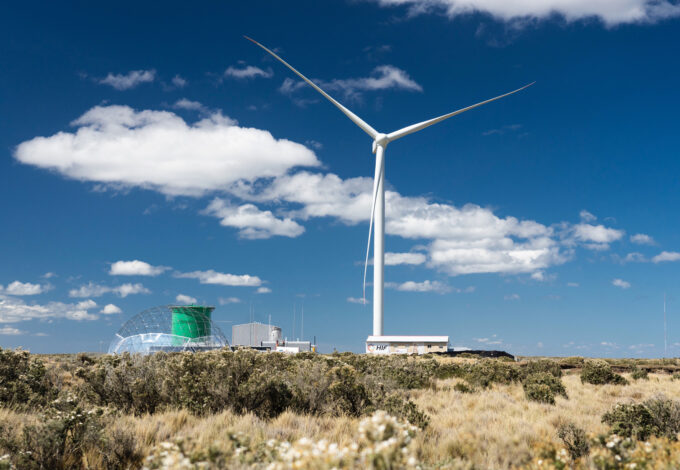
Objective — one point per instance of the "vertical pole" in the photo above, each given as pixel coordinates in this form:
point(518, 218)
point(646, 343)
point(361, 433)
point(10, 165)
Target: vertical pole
point(379, 249)
point(665, 330)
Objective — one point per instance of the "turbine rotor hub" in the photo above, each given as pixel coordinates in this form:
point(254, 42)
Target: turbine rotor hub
point(380, 140)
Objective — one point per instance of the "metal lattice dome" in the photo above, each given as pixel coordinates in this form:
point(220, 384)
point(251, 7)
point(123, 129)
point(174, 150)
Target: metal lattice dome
point(169, 328)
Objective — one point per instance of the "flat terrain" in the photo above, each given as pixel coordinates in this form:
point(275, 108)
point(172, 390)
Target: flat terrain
point(245, 410)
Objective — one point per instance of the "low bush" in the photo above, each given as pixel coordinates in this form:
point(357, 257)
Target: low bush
point(543, 387)
point(23, 380)
point(599, 372)
point(489, 371)
point(631, 420)
point(675, 376)
point(462, 387)
point(543, 365)
point(639, 374)
point(666, 415)
point(574, 439)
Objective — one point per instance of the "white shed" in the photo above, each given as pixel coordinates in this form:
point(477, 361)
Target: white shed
point(406, 344)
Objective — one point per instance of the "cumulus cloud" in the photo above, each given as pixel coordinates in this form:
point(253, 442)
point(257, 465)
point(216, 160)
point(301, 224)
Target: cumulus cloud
point(586, 216)
point(189, 105)
point(666, 256)
point(596, 237)
point(394, 259)
point(247, 71)
point(179, 81)
point(642, 239)
point(383, 77)
point(229, 300)
point(119, 146)
point(10, 331)
point(24, 288)
point(129, 80)
point(358, 300)
point(263, 290)
point(621, 283)
point(185, 299)
point(135, 268)
point(610, 12)
point(111, 309)
point(425, 286)
point(223, 279)
point(252, 222)
point(97, 290)
point(13, 310)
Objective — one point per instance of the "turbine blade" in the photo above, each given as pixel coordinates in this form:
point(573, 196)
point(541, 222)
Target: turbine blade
point(379, 162)
point(422, 125)
point(353, 117)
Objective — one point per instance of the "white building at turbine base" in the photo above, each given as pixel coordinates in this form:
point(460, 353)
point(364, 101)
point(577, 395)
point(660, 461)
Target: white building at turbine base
point(407, 344)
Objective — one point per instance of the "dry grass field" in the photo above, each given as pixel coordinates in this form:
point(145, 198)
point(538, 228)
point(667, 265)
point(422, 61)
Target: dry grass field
point(215, 410)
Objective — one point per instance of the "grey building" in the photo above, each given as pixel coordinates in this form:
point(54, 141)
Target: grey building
point(261, 335)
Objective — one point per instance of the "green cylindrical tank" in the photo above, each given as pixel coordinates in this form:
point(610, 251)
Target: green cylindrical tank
point(191, 321)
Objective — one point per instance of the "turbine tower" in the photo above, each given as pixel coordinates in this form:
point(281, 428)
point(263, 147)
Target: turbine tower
point(380, 142)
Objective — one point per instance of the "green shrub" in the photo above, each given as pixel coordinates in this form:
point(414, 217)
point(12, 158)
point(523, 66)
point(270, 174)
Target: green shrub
point(462, 387)
point(574, 439)
point(23, 380)
point(406, 410)
point(666, 415)
point(675, 376)
point(490, 371)
point(543, 365)
point(539, 392)
point(638, 374)
point(631, 420)
point(543, 387)
point(599, 372)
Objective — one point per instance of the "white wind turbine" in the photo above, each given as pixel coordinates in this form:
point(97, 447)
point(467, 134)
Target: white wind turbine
point(380, 142)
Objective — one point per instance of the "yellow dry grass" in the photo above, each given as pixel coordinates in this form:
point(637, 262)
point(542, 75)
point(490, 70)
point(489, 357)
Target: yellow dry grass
point(496, 428)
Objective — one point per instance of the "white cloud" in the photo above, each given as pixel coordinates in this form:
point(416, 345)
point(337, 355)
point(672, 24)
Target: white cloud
point(111, 309)
point(596, 233)
point(9, 331)
point(394, 259)
point(13, 310)
point(179, 82)
point(586, 216)
point(511, 297)
point(263, 290)
point(135, 268)
point(189, 105)
point(223, 279)
point(129, 80)
point(642, 239)
point(666, 256)
point(358, 300)
point(49, 275)
point(572, 284)
point(229, 300)
point(185, 299)
point(608, 344)
point(383, 77)
point(118, 146)
point(252, 222)
point(96, 290)
point(24, 288)
point(621, 283)
point(542, 276)
point(247, 71)
point(610, 12)
point(635, 258)
point(425, 286)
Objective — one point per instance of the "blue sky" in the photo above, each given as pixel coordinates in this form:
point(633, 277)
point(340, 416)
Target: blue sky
point(154, 153)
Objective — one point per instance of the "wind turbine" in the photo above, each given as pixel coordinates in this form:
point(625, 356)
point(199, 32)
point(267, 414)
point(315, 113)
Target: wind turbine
point(380, 142)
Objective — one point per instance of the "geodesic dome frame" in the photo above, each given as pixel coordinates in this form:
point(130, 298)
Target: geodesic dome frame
point(169, 328)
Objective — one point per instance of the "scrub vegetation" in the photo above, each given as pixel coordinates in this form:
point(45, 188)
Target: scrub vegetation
point(243, 409)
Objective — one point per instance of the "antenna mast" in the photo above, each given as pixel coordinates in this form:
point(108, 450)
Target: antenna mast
point(665, 328)
point(302, 326)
